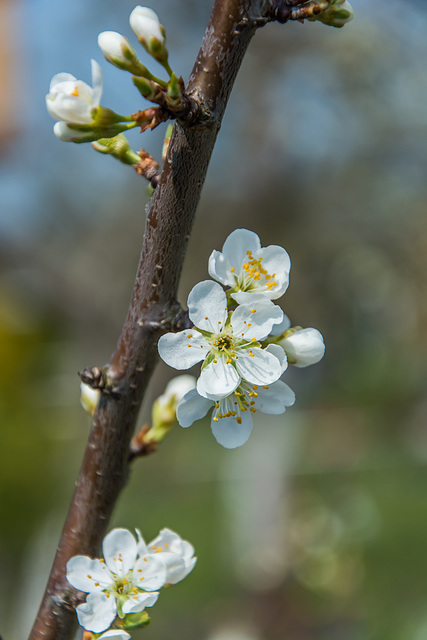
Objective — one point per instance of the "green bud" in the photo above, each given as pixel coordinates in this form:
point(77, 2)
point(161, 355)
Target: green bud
point(174, 99)
point(148, 89)
point(87, 132)
point(136, 620)
point(336, 14)
point(118, 147)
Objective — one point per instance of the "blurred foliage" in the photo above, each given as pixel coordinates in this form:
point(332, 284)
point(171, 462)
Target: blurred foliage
point(315, 529)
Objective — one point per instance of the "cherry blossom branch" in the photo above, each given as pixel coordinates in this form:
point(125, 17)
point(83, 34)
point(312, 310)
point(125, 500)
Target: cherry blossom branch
point(153, 309)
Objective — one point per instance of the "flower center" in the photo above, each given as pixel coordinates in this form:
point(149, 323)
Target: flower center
point(253, 274)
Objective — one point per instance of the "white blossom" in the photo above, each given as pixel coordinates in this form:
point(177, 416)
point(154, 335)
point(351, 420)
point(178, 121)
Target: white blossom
point(145, 24)
point(122, 582)
point(248, 269)
point(232, 416)
point(73, 101)
point(176, 553)
point(229, 344)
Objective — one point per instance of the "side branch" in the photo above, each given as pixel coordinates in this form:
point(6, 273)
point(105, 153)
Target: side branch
point(153, 309)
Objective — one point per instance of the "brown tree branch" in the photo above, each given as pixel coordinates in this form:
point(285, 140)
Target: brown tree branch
point(153, 309)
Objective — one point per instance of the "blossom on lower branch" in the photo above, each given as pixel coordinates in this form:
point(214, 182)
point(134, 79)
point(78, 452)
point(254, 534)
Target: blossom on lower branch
point(125, 581)
point(231, 420)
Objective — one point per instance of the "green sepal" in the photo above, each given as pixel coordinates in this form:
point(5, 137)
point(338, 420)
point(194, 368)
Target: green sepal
point(136, 620)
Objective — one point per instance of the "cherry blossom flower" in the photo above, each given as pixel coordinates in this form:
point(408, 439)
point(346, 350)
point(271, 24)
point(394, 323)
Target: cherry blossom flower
point(232, 416)
point(73, 101)
point(228, 344)
point(121, 583)
point(248, 269)
point(176, 553)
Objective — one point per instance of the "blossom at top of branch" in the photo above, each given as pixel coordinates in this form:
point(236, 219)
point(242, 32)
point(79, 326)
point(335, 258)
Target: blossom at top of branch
point(248, 269)
point(121, 583)
point(73, 101)
point(232, 416)
point(228, 343)
point(176, 553)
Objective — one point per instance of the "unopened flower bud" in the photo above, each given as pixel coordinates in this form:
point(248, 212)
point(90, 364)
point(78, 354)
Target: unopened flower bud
point(148, 89)
point(150, 33)
point(164, 408)
point(89, 398)
point(303, 347)
point(118, 147)
point(118, 51)
point(174, 95)
point(337, 14)
point(87, 133)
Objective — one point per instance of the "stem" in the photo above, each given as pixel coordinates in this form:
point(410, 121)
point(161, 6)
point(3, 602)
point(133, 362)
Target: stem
point(153, 309)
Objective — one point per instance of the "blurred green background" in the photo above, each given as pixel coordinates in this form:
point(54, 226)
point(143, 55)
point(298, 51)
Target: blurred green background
point(316, 529)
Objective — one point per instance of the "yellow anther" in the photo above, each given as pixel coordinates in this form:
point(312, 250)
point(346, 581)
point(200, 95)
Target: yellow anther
point(252, 402)
point(253, 339)
point(239, 420)
point(214, 361)
point(96, 584)
point(88, 576)
point(188, 345)
point(217, 405)
point(255, 387)
point(253, 310)
point(252, 355)
point(255, 394)
point(75, 92)
point(190, 335)
point(206, 318)
point(232, 269)
point(265, 387)
point(253, 409)
point(228, 361)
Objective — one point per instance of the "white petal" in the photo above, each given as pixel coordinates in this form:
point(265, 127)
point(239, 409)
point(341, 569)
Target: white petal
point(280, 328)
point(260, 368)
point(168, 540)
point(141, 547)
point(175, 567)
point(237, 244)
point(218, 379)
point(207, 306)
point(98, 612)
point(255, 320)
point(149, 573)
point(280, 354)
point(220, 268)
point(275, 398)
point(114, 634)
point(96, 83)
point(87, 575)
point(174, 348)
point(119, 548)
point(229, 433)
point(304, 347)
point(59, 78)
point(275, 260)
point(192, 407)
point(139, 601)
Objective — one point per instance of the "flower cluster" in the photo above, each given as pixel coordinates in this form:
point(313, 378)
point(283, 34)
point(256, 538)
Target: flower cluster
point(77, 106)
point(127, 579)
point(242, 338)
